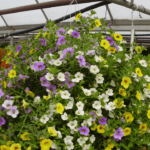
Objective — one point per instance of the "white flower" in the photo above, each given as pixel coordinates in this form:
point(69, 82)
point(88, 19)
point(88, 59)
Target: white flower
point(133, 74)
point(40, 59)
point(65, 94)
point(7, 104)
point(71, 98)
point(96, 105)
point(99, 75)
point(44, 119)
point(60, 52)
point(57, 62)
point(59, 134)
point(110, 106)
point(86, 147)
point(120, 48)
point(92, 138)
point(111, 114)
point(97, 59)
point(127, 57)
point(35, 118)
point(93, 90)
point(119, 60)
point(49, 76)
point(69, 31)
point(79, 76)
point(84, 123)
point(72, 124)
point(79, 112)
point(143, 63)
point(51, 62)
point(112, 83)
point(49, 113)
point(80, 105)
point(95, 84)
point(64, 116)
point(87, 92)
point(68, 139)
point(109, 92)
point(69, 105)
point(94, 69)
point(139, 121)
point(99, 80)
point(99, 112)
point(69, 146)
point(89, 121)
point(75, 46)
point(104, 97)
point(82, 140)
point(147, 78)
point(80, 53)
point(64, 61)
point(61, 76)
point(123, 41)
point(37, 99)
point(54, 146)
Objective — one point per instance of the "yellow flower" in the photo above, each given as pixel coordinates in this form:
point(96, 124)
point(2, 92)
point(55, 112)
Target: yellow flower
point(9, 53)
point(148, 86)
point(30, 93)
point(32, 51)
point(122, 92)
point(24, 103)
point(15, 147)
point(51, 131)
point(110, 144)
point(12, 73)
point(118, 105)
point(29, 148)
point(138, 71)
point(117, 37)
point(143, 128)
point(46, 144)
point(78, 16)
point(125, 82)
point(127, 131)
point(24, 136)
point(100, 128)
point(102, 37)
point(60, 108)
point(4, 147)
point(9, 143)
point(138, 112)
point(16, 54)
point(105, 44)
point(111, 49)
point(148, 114)
point(128, 116)
point(46, 97)
point(38, 35)
point(138, 96)
point(138, 49)
point(92, 28)
point(105, 61)
point(107, 148)
point(95, 126)
point(4, 83)
point(97, 23)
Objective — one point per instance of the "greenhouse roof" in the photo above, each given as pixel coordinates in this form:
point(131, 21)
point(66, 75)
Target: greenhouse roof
point(119, 16)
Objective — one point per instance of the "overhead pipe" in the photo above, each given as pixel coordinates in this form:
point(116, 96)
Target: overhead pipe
point(57, 20)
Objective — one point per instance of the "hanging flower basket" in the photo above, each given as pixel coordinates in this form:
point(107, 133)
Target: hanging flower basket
point(73, 89)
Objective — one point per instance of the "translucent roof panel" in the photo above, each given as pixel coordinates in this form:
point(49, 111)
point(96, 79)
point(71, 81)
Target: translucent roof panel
point(2, 23)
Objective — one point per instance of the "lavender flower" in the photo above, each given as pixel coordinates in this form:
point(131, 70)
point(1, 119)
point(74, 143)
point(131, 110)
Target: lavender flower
point(94, 115)
point(67, 75)
point(118, 134)
point(13, 111)
point(7, 104)
point(52, 88)
point(103, 121)
point(39, 66)
point(91, 52)
point(70, 84)
point(122, 119)
point(84, 130)
point(18, 48)
point(28, 110)
point(81, 60)
point(111, 40)
point(75, 34)
point(65, 51)
point(62, 30)
point(42, 41)
point(1, 93)
point(109, 25)
point(23, 77)
point(2, 121)
point(116, 46)
point(61, 41)
point(44, 82)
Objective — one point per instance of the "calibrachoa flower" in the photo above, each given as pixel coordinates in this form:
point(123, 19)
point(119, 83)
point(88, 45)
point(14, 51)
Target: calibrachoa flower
point(118, 134)
point(13, 111)
point(18, 48)
point(84, 130)
point(75, 34)
point(61, 41)
point(2, 121)
point(111, 40)
point(81, 60)
point(39, 66)
point(103, 121)
point(78, 16)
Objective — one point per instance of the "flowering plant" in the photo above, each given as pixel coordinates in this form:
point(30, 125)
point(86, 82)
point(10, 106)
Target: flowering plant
point(70, 88)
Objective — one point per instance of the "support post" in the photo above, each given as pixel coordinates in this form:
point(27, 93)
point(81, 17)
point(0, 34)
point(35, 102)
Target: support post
point(11, 40)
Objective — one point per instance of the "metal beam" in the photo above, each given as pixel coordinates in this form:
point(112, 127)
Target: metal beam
point(4, 21)
point(110, 14)
point(42, 11)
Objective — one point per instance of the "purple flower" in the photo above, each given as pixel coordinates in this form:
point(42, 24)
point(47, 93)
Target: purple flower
point(13, 111)
point(94, 115)
point(39, 66)
point(103, 121)
point(23, 77)
point(28, 110)
point(48, 51)
point(67, 75)
point(84, 130)
point(116, 46)
point(44, 82)
point(61, 41)
point(118, 134)
point(122, 119)
point(75, 34)
point(62, 30)
point(18, 48)
point(91, 52)
point(51, 88)
point(1, 93)
point(2, 121)
point(111, 40)
point(87, 65)
point(109, 25)
point(67, 50)
point(42, 41)
point(27, 89)
point(70, 84)
point(81, 60)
